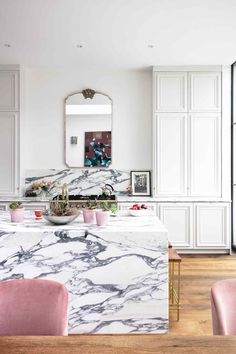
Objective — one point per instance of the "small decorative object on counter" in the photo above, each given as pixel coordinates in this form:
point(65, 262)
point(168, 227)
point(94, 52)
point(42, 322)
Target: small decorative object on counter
point(38, 214)
point(16, 212)
point(44, 189)
point(129, 190)
point(89, 212)
point(103, 214)
point(140, 183)
point(107, 191)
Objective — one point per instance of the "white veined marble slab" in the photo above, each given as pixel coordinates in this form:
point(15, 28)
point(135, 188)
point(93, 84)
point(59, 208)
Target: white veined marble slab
point(117, 276)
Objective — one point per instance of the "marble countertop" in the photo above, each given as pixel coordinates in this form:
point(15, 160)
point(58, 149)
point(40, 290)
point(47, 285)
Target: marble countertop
point(116, 223)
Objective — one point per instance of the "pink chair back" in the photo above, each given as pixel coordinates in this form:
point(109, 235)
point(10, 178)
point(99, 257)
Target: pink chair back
point(223, 305)
point(33, 307)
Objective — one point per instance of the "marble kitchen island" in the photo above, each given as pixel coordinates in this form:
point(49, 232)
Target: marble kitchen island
point(117, 275)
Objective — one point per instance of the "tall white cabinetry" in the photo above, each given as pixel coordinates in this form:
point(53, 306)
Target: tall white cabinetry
point(187, 122)
point(9, 130)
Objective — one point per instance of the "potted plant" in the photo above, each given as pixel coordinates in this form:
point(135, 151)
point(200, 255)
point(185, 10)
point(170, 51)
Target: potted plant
point(103, 214)
point(16, 212)
point(60, 211)
point(89, 212)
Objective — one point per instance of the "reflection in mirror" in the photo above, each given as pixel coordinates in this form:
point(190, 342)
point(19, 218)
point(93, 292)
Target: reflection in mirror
point(88, 129)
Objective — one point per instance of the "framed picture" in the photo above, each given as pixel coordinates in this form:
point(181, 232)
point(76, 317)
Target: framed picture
point(141, 182)
point(97, 149)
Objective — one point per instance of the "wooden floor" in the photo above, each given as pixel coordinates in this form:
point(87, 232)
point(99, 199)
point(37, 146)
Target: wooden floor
point(198, 273)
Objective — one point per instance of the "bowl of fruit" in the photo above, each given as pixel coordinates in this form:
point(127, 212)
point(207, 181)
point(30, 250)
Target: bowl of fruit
point(139, 210)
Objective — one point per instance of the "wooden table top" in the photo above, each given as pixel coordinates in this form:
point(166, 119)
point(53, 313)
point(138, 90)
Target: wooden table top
point(117, 344)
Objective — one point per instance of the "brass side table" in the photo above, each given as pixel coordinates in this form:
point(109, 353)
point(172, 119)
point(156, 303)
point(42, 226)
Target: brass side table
point(174, 280)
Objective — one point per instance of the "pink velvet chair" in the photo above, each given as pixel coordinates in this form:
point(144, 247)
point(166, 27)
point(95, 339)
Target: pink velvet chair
point(33, 307)
point(223, 305)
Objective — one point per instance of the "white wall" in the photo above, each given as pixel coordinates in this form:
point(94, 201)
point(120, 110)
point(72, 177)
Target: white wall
point(42, 125)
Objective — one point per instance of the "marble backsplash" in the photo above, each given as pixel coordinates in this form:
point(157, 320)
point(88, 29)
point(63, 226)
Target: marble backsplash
point(82, 181)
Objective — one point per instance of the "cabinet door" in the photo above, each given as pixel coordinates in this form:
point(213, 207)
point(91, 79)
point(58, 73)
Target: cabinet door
point(8, 153)
point(171, 154)
point(212, 225)
point(170, 91)
point(205, 91)
point(205, 154)
point(178, 219)
point(124, 207)
point(9, 100)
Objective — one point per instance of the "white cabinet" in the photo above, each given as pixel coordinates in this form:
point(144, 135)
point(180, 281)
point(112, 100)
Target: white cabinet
point(9, 86)
point(178, 219)
point(171, 154)
point(204, 92)
point(187, 133)
point(171, 91)
point(212, 225)
point(9, 130)
point(197, 227)
point(8, 153)
point(123, 207)
point(205, 154)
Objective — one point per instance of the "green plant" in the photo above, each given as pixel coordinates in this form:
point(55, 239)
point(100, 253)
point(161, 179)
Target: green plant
point(108, 206)
point(16, 205)
point(61, 208)
point(91, 204)
point(104, 206)
point(114, 208)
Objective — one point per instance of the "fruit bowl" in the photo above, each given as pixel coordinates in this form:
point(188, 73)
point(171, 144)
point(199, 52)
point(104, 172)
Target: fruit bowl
point(141, 212)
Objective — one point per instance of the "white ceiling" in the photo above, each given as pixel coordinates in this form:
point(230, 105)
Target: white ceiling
point(116, 33)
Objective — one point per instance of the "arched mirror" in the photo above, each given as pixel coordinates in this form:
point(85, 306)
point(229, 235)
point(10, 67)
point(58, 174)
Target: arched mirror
point(88, 129)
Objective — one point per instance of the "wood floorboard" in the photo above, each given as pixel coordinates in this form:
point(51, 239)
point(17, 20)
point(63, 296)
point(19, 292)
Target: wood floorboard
point(198, 274)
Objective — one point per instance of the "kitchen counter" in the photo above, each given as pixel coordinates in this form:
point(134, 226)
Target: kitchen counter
point(129, 199)
point(116, 275)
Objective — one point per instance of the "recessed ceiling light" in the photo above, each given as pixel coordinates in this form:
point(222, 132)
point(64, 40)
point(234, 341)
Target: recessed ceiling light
point(151, 46)
point(7, 45)
point(79, 46)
